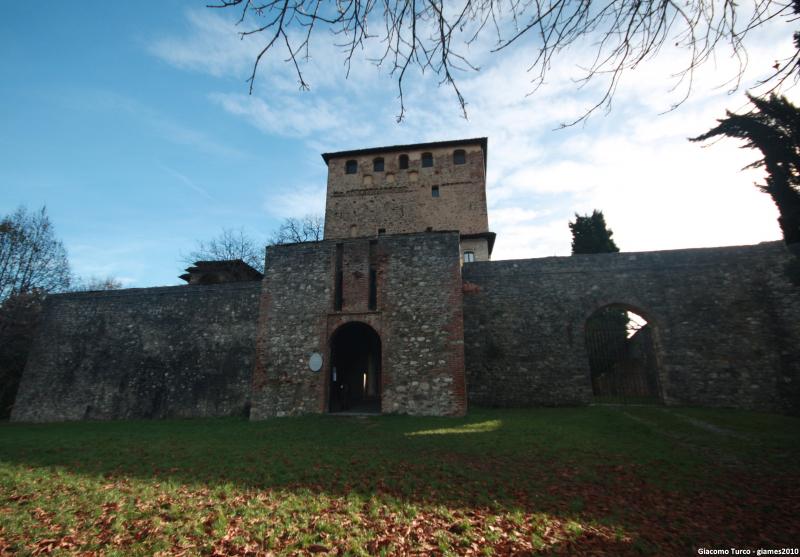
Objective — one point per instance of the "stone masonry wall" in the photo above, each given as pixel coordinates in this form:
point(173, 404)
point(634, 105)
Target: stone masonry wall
point(183, 351)
point(418, 318)
point(400, 200)
point(725, 324)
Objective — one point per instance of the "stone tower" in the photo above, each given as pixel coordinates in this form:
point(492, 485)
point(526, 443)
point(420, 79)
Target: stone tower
point(378, 303)
point(424, 187)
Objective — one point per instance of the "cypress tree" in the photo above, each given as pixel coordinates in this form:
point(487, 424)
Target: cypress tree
point(591, 235)
point(772, 127)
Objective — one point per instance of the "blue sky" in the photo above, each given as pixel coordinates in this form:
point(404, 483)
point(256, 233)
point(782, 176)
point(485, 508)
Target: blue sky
point(132, 123)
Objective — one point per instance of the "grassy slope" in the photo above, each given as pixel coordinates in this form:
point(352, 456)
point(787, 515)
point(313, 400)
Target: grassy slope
point(601, 480)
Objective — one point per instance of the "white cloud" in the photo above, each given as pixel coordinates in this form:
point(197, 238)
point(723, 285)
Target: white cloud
point(287, 115)
point(213, 46)
point(656, 189)
point(296, 201)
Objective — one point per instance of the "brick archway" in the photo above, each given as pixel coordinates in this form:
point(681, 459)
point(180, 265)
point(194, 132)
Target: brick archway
point(355, 371)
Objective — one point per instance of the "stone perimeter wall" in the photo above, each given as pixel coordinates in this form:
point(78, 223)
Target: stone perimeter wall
point(726, 325)
point(724, 319)
point(182, 351)
point(418, 318)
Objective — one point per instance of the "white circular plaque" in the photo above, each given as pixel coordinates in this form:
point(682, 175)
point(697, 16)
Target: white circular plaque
point(315, 362)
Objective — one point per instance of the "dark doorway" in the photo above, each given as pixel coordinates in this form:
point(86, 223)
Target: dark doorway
point(622, 356)
point(355, 369)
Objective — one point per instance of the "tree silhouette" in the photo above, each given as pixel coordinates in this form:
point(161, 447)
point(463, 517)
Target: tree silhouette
point(94, 284)
point(292, 230)
point(32, 263)
point(591, 235)
point(772, 127)
point(235, 244)
point(31, 258)
point(230, 244)
point(435, 36)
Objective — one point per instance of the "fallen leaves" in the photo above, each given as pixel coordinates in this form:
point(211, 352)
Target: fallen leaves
point(301, 492)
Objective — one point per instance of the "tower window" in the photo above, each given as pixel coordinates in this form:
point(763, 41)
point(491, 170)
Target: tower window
point(435, 191)
point(381, 231)
point(351, 167)
point(403, 162)
point(377, 165)
point(427, 159)
point(469, 256)
point(459, 156)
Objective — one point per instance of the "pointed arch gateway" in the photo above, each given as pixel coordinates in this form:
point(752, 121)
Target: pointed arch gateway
point(355, 371)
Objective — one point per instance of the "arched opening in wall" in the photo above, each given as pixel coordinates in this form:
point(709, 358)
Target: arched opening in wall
point(621, 347)
point(355, 380)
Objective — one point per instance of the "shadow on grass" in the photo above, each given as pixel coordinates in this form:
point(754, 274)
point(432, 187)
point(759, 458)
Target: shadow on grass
point(595, 466)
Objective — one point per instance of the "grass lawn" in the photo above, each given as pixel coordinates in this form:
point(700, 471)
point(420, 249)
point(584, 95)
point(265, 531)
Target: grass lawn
point(576, 481)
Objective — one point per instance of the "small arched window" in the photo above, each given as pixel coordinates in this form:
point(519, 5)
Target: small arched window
point(377, 164)
point(427, 159)
point(459, 156)
point(403, 162)
point(435, 191)
point(469, 256)
point(351, 167)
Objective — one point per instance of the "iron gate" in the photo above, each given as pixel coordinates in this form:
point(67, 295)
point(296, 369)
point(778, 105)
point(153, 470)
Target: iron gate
point(622, 358)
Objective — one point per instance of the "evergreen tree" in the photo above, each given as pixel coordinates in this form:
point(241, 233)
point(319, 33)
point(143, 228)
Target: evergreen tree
point(591, 235)
point(772, 127)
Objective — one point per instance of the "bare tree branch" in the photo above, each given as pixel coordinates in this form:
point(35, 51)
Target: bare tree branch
point(31, 258)
point(310, 228)
point(230, 244)
point(93, 284)
point(433, 35)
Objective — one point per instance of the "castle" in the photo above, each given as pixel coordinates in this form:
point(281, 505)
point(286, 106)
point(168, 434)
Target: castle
point(401, 310)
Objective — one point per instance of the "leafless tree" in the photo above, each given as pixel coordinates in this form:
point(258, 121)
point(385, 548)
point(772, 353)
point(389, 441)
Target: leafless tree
point(434, 35)
point(230, 244)
point(31, 258)
point(32, 263)
point(310, 228)
point(95, 283)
